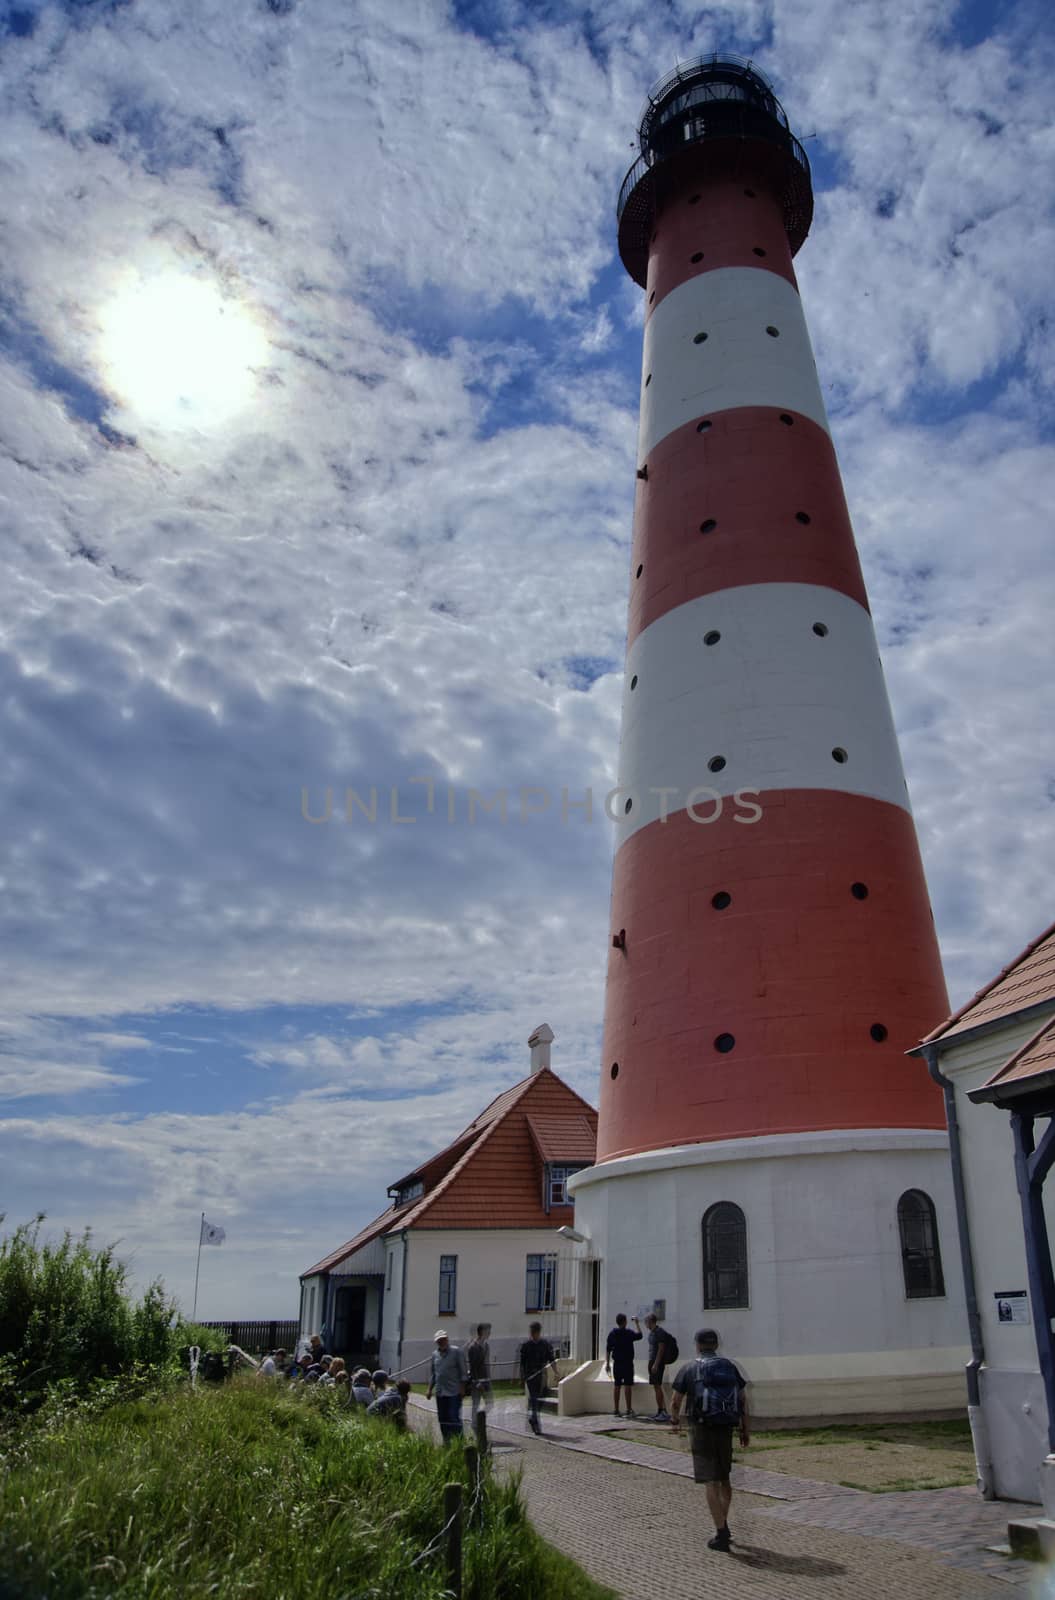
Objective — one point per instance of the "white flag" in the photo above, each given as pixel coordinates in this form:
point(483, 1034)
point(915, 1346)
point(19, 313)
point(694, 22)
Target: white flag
point(211, 1234)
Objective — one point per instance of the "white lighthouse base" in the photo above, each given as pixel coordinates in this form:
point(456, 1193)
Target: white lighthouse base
point(828, 1329)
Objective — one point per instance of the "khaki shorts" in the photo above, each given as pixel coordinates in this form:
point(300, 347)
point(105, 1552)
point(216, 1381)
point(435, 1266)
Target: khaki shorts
point(712, 1452)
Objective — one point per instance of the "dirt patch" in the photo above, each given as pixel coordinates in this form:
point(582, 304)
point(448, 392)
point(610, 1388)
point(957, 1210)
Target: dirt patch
point(920, 1455)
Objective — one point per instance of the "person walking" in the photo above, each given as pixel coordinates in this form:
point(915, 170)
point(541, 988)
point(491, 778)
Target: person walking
point(478, 1355)
point(536, 1354)
point(662, 1352)
point(714, 1389)
point(449, 1380)
point(619, 1360)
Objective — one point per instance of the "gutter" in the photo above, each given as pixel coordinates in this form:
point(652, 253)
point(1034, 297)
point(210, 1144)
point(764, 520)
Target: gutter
point(402, 1297)
point(976, 1415)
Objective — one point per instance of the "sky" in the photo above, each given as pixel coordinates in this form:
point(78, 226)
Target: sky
point(318, 388)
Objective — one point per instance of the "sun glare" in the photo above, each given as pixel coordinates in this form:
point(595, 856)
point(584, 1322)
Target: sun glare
point(178, 352)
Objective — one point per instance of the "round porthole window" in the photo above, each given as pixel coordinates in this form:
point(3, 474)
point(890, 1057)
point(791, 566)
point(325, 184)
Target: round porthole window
point(721, 900)
point(878, 1032)
point(724, 1043)
point(613, 1070)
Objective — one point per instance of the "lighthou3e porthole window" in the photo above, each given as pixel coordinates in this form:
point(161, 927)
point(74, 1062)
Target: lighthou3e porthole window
point(920, 1255)
point(724, 1257)
point(540, 1289)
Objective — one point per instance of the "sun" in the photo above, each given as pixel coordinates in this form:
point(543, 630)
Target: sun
point(179, 351)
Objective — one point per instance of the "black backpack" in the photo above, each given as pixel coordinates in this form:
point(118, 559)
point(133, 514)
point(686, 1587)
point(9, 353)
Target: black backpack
point(716, 1391)
point(671, 1344)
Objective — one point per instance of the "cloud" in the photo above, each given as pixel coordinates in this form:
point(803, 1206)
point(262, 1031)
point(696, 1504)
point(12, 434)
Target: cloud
point(407, 558)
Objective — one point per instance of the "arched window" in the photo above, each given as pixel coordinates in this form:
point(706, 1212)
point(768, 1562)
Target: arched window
point(920, 1255)
point(724, 1257)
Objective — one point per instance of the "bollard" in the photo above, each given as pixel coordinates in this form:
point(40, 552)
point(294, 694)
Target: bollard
point(452, 1513)
point(481, 1432)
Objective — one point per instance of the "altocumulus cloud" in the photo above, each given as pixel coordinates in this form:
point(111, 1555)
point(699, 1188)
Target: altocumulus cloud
point(407, 556)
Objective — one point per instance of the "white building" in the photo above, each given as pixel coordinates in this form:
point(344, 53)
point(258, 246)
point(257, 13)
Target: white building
point(998, 1048)
point(470, 1236)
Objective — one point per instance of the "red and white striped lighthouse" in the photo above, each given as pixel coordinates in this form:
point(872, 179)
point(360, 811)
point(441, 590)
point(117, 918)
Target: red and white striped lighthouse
point(773, 952)
point(777, 953)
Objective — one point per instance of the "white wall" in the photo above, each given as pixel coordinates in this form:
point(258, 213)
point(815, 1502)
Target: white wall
point(492, 1267)
point(824, 1252)
point(1011, 1391)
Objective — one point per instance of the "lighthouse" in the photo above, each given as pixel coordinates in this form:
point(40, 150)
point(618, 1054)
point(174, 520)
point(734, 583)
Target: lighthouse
point(768, 1161)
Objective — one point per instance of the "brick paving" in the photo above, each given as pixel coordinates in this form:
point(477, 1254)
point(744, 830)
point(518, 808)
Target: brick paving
point(644, 1527)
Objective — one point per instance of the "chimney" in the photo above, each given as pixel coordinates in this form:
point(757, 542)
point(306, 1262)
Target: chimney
point(539, 1044)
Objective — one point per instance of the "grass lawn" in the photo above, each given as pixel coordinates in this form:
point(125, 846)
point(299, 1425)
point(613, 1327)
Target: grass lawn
point(246, 1491)
point(881, 1457)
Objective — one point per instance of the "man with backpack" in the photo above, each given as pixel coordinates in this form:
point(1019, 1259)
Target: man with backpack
point(662, 1352)
point(713, 1388)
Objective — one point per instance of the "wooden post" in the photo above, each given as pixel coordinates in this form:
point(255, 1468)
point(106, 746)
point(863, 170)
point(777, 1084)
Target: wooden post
point(452, 1513)
point(481, 1432)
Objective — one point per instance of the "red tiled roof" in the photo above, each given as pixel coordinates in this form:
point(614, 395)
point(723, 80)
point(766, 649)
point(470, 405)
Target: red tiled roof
point(437, 1166)
point(497, 1182)
point(564, 1138)
point(490, 1176)
point(1035, 1060)
point(1028, 981)
point(380, 1224)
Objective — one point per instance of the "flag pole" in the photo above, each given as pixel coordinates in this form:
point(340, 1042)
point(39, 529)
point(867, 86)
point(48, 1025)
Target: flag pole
point(197, 1269)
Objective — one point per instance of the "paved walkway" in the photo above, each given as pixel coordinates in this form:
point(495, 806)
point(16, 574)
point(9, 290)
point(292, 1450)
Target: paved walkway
point(631, 1515)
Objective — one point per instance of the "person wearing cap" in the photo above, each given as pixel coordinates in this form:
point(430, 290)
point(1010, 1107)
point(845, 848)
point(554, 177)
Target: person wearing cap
point(714, 1388)
point(449, 1381)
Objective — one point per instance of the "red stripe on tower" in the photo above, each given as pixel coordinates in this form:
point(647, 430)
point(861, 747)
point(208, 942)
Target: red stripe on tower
point(779, 951)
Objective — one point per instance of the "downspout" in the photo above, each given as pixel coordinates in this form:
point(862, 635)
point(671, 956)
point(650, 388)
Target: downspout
point(976, 1416)
point(402, 1299)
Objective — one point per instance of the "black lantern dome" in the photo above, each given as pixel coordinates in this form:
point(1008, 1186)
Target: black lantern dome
point(716, 116)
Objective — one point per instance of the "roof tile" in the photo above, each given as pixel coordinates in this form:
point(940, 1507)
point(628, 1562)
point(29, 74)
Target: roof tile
point(1028, 981)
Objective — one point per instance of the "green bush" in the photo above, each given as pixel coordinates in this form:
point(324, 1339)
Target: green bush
point(250, 1489)
point(67, 1319)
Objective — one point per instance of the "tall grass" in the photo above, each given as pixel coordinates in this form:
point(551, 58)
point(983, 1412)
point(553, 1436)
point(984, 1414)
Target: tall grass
point(67, 1318)
point(249, 1490)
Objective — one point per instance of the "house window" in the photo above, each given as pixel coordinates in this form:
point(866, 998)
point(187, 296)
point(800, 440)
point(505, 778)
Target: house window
point(541, 1287)
point(448, 1284)
point(724, 1257)
point(557, 1184)
point(920, 1256)
point(410, 1191)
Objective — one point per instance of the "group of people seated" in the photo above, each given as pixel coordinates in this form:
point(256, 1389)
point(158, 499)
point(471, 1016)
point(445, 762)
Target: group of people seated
point(375, 1391)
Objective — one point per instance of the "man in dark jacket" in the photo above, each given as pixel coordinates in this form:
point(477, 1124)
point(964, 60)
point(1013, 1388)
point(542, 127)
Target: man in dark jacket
point(619, 1359)
point(536, 1354)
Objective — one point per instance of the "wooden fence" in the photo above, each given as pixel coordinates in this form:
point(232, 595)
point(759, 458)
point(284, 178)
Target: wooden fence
point(255, 1337)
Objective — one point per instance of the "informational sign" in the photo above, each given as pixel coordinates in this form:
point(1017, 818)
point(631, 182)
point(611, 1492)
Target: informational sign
point(1012, 1306)
point(652, 1308)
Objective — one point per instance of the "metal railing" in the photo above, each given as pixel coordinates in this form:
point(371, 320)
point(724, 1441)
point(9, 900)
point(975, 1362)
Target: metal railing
point(645, 163)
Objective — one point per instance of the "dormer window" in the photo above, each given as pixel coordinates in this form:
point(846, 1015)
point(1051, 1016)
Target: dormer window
point(409, 1192)
point(557, 1182)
